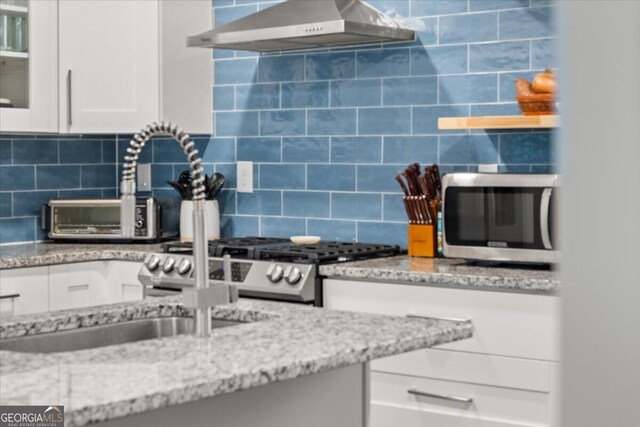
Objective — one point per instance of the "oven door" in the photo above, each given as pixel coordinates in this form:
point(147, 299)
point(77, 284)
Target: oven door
point(500, 217)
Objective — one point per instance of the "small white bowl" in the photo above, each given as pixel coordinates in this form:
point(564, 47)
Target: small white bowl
point(305, 240)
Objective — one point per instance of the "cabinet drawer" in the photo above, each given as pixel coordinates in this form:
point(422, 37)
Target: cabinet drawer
point(498, 371)
point(393, 405)
point(505, 323)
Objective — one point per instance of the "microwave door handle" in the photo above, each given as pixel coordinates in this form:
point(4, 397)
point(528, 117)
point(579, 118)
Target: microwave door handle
point(545, 205)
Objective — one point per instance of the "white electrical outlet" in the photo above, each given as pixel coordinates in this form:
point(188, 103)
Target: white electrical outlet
point(144, 177)
point(244, 173)
point(491, 168)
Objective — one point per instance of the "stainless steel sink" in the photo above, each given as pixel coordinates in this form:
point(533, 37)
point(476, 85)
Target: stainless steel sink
point(104, 335)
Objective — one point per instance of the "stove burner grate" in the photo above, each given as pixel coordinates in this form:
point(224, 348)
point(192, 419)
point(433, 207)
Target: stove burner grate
point(279, 249)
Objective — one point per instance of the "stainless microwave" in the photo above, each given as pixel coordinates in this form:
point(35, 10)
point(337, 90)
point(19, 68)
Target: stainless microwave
point(500, 217)
point(99, 219)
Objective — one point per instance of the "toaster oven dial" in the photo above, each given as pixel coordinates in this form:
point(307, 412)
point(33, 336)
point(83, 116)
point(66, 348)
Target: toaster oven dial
point(292, 275)
point(168, 265)
point(274, 273)
point(184, 266)
point(153, 262)
point(139, 223)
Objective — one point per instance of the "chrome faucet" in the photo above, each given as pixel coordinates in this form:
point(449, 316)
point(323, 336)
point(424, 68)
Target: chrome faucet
point(202, 296)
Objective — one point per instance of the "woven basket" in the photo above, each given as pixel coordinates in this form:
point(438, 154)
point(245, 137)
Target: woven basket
point(536, 105)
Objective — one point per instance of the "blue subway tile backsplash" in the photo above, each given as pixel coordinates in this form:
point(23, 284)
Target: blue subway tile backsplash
point(306, 204)
point(439, 7)
point(527, 23)
point(501, 56)
point(305, 95)
point(327, 66)
point(410, 91)
point(468, 89)
point(384, 121)
point(439, 60)
point(332, 121)
point(356, 93)
point(305, 149)
point(479, 5)
point(331, 177)
point(256, 97)
point(477, 27)
point(356, 149)
point(327, 129)
point(382, 63)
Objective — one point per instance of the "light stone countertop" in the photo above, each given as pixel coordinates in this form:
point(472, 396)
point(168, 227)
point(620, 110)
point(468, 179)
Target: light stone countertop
point(281, 341)
point(398, 269)
point(38, 254)
point(446, 272)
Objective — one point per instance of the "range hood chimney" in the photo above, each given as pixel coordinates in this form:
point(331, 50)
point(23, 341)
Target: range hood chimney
point(305, 24)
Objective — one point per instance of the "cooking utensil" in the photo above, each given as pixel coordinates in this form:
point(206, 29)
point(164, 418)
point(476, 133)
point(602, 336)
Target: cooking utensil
point(178, 187)
point(185, 182)
point(214, 185)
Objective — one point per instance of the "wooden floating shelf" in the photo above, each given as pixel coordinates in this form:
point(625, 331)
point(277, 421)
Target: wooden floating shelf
point(11, 54)
point(498, 122)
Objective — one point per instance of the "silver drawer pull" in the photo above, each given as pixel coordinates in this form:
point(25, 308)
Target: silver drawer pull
point(448, 319)
point(464, 400)
point(10, 296)
point(77, 288)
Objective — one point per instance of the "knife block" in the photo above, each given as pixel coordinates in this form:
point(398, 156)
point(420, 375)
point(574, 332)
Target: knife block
point(422, 241)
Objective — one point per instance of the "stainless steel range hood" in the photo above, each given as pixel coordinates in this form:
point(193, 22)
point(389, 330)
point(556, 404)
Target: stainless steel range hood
point(304, 24)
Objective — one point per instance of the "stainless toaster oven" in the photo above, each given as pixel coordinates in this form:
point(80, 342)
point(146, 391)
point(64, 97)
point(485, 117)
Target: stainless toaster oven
point(99, 219)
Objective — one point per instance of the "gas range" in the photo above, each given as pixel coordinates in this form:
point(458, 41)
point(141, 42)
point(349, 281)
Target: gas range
point(261, 267)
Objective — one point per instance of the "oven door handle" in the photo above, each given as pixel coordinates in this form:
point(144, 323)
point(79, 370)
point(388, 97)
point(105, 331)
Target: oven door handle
point(154, 292)
point(545, 205)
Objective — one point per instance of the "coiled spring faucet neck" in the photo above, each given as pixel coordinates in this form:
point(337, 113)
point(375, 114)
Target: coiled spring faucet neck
point(201, 297)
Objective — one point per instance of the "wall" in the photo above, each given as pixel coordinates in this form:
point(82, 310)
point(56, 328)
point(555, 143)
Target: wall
point(327, 130)
point(34, 169)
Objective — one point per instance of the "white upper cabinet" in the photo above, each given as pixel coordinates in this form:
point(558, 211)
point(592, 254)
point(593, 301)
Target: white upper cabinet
point(29, 66)
point(114, 67)
point(108, 74)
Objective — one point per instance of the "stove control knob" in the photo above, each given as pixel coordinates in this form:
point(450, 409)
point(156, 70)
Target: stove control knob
point(168, 265)
point(274, 273)
point(292, 275)
point(153, 262)
point(184, 266)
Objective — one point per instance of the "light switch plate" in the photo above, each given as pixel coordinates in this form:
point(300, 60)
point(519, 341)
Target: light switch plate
point(245, 177)
point(144, 177)
point(490, 168)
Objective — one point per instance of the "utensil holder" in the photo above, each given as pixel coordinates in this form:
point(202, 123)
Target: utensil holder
point(422, 240)
point(211, 220)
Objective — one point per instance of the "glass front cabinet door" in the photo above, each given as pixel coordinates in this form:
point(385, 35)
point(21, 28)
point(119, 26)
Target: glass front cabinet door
point(28, 66)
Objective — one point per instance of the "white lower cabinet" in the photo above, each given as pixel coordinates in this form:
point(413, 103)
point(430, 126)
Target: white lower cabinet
point(24, 291)
point(68, 286)
point(123, 280)
point(75, 285)
point(505, 376)
point(441, 403)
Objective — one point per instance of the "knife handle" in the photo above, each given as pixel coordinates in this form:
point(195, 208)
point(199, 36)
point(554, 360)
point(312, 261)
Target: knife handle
point(422, 180)
point(408, 211)
point(407, 176)
point(402, 185)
